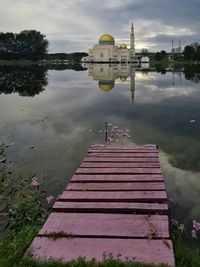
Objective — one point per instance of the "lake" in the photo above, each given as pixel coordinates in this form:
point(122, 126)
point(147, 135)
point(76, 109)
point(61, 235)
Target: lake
point(52, 115)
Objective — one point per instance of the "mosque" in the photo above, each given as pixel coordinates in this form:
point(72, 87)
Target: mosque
point(107, 52)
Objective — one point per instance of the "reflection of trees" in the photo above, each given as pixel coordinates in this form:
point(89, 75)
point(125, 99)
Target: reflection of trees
point(192, 72)
point(27, 81)
point(160, 68)
point(62, 66)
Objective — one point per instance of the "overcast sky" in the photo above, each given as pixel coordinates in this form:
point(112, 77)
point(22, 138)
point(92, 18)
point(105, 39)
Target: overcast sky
point(75, 25)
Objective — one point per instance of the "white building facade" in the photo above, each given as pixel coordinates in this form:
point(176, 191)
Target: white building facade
point(106, 51)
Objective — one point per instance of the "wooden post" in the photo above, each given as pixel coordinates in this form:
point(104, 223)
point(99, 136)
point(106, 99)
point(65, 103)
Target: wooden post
point(106, 131)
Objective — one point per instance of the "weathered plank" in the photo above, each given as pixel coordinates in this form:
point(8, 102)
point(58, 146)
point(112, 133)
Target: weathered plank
point(126, 155)
point(109, 207)
point(117, 178)
point(145, 151)
point(100, 196)
point(115, 159)
point(159, 186)
point(118, 170)
point(101, 146)
point(106, 225)
point(143, 250)
point(119, 165)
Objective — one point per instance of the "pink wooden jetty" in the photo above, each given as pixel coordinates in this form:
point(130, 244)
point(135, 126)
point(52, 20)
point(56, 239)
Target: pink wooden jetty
point(115, 203)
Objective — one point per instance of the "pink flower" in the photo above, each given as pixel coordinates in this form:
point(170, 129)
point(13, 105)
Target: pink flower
point(181, 228)
point(194, 234)
point(49, 199)
point(196, 225)
point(35, 182)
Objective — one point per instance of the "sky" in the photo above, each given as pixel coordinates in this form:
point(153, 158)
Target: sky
point(75, 25)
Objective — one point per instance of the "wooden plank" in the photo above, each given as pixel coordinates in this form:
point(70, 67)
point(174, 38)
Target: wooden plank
point(148, 196)
point(116, 159)
point(106, 225)
point(104, 178)
point(116, 186)
point(119, 165)
point(143, 250)
point(126, 155)
point(146, 151)
point(109, 207)
point(100, 146)
point(118, 170)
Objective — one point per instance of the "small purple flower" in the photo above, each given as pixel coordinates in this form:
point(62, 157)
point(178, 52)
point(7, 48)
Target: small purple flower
point(194, 234)
point(196, 225)
point(35, 182)
point(49, 199)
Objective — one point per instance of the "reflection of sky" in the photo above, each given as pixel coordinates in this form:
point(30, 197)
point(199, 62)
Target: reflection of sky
point(58, 120)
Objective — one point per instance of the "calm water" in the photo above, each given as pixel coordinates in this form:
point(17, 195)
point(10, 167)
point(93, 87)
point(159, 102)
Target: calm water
point(60, 112)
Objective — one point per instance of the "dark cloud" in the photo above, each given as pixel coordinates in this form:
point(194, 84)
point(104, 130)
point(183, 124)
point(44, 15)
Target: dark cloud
point(76, 24)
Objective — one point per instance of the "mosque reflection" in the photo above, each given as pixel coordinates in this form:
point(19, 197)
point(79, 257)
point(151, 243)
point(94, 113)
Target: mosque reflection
point(106, 75)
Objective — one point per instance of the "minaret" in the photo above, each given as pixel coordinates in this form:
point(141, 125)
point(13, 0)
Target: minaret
point(132, 44)
point(132, 87)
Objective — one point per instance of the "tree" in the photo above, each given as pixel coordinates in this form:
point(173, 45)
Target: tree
point(189, 52)
point(24, 45)
point(144, 51)
point(161, 55)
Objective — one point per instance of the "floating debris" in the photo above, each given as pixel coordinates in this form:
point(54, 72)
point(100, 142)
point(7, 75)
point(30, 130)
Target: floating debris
point(32, 146)
point(3, 160)
point(192, 121)
point(166, 242)
point(114, 133)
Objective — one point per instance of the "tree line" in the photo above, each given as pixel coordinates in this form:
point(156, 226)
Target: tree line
point(192, 52)
point(72, 57)
point(28, 44)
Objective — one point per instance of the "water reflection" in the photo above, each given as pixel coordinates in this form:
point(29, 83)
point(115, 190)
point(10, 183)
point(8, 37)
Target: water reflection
point(106, 75)
point(29, 80)
point(26, 81)
point(62, 122)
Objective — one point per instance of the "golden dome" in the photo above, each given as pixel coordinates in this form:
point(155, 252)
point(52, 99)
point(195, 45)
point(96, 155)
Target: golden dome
point(123, 46)
point(123, 78)
point(106, 39)
point(106, 85)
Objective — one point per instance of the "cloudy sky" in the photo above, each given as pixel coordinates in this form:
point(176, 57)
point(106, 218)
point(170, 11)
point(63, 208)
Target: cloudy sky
point(75, 25)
